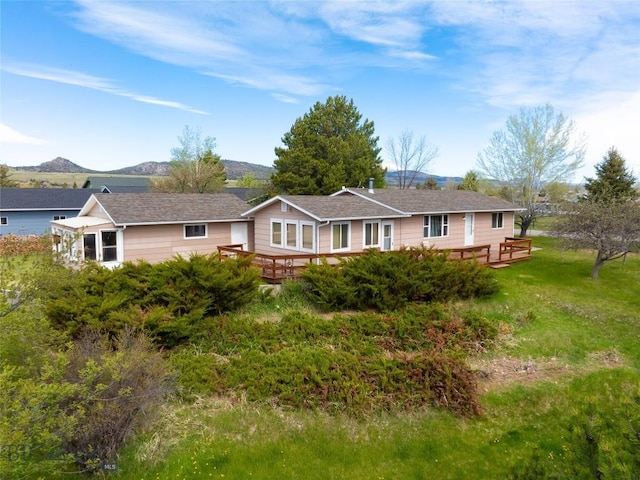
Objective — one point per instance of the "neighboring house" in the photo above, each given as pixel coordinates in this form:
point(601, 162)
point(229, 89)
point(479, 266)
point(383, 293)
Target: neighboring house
point(353, 220)
point(29, 211)
point(118, 184)
point(113, 228)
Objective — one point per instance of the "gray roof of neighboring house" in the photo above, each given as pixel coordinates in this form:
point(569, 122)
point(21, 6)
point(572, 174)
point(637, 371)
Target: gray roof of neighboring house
point(415, 201)
point(163, 208)
point(123, 189)
point(95, 181)
point(38, 199)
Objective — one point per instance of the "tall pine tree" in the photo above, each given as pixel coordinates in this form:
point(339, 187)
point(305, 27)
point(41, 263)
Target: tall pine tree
point(613, 182)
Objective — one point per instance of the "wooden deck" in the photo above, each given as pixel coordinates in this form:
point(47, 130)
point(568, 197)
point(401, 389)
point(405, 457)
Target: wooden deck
point(276, 268)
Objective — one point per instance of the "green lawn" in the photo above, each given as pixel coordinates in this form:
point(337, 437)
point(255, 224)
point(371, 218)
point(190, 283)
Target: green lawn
point(576, 340)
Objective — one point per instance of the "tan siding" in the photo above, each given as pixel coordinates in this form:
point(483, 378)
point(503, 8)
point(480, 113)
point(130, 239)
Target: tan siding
point(96, 211)
point(156, 243)
point(262, 228)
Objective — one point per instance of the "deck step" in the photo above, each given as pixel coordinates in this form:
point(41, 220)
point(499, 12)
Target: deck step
point(498, 265)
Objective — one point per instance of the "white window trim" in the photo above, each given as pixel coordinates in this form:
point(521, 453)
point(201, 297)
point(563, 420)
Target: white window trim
point(285, 235)
point(445, 225)
point(348, 247)
point(501, 217)
point(282, 233)
point(313, 236)
point(184, 231)
point(364, 234)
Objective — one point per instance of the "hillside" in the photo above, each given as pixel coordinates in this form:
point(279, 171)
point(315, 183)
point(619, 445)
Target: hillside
point(233, 168)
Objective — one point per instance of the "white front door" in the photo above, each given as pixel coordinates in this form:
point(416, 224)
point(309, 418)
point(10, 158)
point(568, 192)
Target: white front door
point(468, 229)
point(387, 235)
point(239, 234)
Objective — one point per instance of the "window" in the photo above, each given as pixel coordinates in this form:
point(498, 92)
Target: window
point(276, 233)
point(109, 246)
point(89, 246)
point(307, 236)
point(195, 231)
point(371, 234)
point(4, 221)
point(497, 220)
point(340, 236)
point(436, 226)
point(59, 217)
point(292, 235)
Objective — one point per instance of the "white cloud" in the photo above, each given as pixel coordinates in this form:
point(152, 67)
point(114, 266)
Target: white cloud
point(9, 135)
point(83, 80)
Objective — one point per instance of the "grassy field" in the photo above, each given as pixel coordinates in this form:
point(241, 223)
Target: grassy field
point(35, 179)
point(566, 366)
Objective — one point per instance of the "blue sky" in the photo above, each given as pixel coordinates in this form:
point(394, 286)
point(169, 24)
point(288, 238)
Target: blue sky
point(112, 84)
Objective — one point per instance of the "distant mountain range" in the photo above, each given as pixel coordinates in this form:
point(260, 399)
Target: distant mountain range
point(233, 168)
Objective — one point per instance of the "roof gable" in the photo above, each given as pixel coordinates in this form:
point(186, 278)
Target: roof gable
point(328, 208)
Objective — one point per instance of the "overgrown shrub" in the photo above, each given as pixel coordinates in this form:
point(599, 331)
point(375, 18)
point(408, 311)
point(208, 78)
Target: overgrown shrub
point(170, 300)
point(351, 363)
point(118, 383)
point(387, 281)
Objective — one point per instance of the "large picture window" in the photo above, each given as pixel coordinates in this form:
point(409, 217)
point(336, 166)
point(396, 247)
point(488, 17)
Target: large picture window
point(436, 226)
point(340, 236)
point(497, 220)
point(195, 231)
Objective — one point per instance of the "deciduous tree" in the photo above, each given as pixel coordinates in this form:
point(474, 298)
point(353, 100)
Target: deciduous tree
point(194, 168)
point(536, 147)
point(328, 148)
point(607, 218)
point(411, 157)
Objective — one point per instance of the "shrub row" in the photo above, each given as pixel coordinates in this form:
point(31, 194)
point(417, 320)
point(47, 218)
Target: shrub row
point(171, 300)
point(19, 245)
point(353, 363)
point(387, 281)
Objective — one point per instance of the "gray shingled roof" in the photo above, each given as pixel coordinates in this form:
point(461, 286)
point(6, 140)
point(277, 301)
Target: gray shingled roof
point(343, 207)
point(157, 208)
point(99, 181)
point(30, 199)
point(434, 201)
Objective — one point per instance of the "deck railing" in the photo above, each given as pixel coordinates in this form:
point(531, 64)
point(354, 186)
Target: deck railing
point(514, 249)
point(276, 268)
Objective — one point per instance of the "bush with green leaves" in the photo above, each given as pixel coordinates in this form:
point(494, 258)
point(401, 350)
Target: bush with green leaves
point(34, 423)
point(352, 363)
point(387, 281)
point(170, 300)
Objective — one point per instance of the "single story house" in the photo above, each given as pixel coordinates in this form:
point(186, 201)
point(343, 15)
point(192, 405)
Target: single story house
point(354, 220)
point(29, 211)
point(112, 228)
point(286, 230)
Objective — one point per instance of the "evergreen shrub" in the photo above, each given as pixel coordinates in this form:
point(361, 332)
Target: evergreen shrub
point(387, 281)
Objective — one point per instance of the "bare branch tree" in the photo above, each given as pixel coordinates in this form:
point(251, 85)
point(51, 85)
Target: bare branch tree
point(411, 157)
